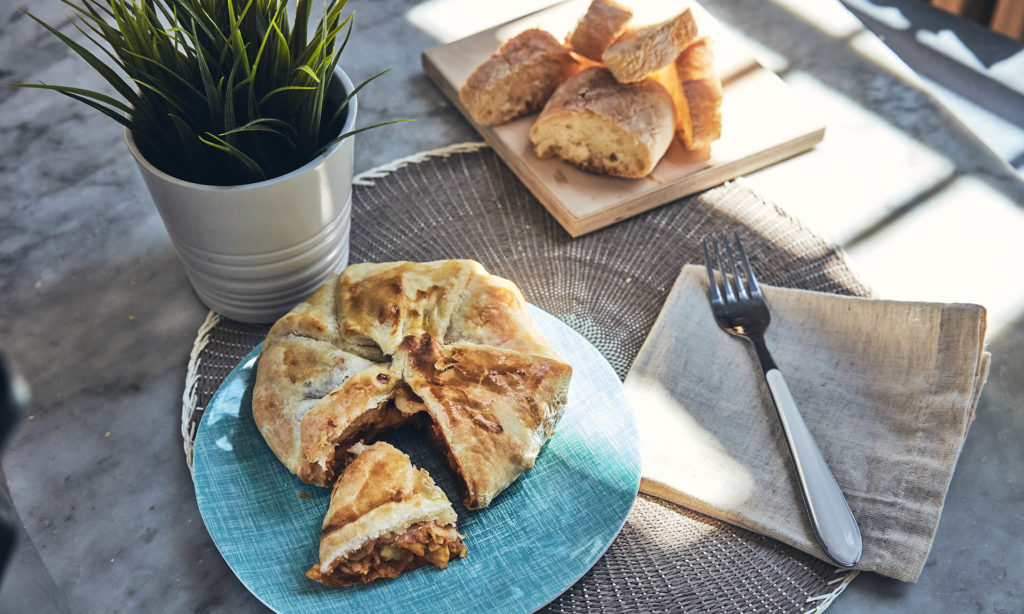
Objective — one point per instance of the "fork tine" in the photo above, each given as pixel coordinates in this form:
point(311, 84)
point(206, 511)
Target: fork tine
point(741, 291)
point(730, 296)
point(716, 295)
point(755, 289)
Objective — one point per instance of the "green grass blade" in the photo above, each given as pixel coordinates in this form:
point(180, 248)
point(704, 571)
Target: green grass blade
point(248, 163)
point(261, 125)
point(344, 136)
point(348, 97)
point(300, 29)
point(112, 114)
point(105, 71)
point(65, 89)
point(309, 71)
point(287, 88)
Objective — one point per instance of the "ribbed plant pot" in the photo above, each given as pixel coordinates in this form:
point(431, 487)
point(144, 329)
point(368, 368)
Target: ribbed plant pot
point(253, 251)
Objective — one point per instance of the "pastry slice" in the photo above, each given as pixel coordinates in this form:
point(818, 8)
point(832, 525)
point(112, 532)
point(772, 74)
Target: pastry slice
point(386, 517)
point(312, 398)
point(648, 45)
point(518, 79)
point(490, 409)
point(601, 125)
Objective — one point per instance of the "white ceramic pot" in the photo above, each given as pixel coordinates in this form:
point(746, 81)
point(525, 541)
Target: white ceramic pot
point(253, 251)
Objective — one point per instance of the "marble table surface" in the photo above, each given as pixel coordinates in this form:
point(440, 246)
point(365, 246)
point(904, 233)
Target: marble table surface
point(97, 312)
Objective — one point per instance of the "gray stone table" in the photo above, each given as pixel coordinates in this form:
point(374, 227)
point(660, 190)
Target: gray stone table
point(98, 313)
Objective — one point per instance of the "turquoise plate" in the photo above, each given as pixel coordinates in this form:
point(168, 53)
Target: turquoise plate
point(535, 540)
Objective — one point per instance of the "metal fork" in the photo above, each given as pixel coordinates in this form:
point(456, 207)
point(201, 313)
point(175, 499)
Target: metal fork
point(745, 314)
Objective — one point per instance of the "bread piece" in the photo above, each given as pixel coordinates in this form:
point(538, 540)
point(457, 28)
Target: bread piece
point(518, 79)
point(347, 364)
point(598, 28)
point(641, 50)
point(703, 92)
point(385, 517)
point(601, 125)
point(668, 77)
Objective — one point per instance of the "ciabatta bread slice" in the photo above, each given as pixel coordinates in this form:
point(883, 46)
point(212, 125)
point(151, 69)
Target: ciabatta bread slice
point(598, 124)
point(598, 28)
point(703, 91)
point(518, 79)
point(643, 49)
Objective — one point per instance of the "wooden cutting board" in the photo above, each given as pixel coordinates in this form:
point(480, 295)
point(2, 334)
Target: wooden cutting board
point(763, 122)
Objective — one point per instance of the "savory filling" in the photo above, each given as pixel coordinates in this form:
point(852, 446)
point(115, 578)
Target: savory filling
point(366, 427)
point(436, 437)
point(385, 557)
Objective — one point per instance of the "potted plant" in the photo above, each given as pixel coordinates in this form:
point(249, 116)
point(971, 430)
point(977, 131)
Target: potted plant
point(240, 121)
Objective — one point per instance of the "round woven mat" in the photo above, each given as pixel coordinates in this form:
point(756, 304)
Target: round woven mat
point(463, 202)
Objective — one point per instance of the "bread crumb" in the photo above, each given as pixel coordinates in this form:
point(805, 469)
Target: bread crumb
point(107, 434)
point(31, 417)
point(304, 495)
point(131, 317)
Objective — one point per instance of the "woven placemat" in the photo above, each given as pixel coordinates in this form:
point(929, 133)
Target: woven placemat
point(463, 202)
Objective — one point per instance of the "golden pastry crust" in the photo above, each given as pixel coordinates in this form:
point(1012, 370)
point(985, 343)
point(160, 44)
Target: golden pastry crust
point(345, 365)
point(385, 517)
point(491, 409)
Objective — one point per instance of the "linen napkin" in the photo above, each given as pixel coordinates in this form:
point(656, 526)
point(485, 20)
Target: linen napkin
point(887, 388)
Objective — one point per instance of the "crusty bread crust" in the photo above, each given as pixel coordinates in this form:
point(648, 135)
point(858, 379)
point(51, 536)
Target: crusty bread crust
point(518, 79)
point(598, 28)
point(703, 92)
point(643, 50)
point(598, 124)
point(668, 77)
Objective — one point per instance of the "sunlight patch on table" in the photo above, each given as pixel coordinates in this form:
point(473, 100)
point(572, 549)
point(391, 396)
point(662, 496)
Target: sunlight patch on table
point(872, 49)
point(450, 20)
point(1004, 138)
point(848, 182)
point(889, 15)
point(681, 454)
point(1009, 71)
point(947, 43)
point(964, 247)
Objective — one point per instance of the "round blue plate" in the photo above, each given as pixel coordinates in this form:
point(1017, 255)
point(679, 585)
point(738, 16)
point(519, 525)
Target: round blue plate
point(535, 540)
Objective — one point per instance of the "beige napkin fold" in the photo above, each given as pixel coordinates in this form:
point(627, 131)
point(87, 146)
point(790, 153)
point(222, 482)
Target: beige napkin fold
point(887, 388)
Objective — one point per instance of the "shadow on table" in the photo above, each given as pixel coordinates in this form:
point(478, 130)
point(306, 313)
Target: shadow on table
point(925, 22)
point(836, 62)
point(670, 559)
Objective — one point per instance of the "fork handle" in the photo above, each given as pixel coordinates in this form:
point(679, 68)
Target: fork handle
point(831, 519)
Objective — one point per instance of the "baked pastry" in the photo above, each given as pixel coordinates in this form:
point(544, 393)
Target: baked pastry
point(598, 28)
point(385, 517)
point(643, 49)
point(599, 124)
point(518, 79)
point(349, 362)
point(491, 409)
point(703, 93)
